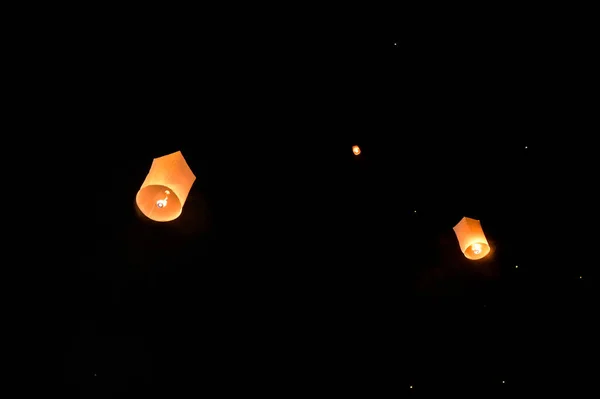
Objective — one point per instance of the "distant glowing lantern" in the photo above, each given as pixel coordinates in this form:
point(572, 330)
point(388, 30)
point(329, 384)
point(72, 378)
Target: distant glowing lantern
point(166, 188)
point(471, 239)
point(356, 149)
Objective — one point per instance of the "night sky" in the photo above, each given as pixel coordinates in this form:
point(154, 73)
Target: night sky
point(297, 267)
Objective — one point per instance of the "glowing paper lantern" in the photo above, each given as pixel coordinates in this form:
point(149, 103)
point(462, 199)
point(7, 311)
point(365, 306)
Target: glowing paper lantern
point(356, 149)
point(471, 239)
point(166, 188)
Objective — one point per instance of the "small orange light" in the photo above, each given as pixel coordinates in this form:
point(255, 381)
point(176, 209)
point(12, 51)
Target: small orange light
point(356, 149)
point(168, 183)
point(471, 239)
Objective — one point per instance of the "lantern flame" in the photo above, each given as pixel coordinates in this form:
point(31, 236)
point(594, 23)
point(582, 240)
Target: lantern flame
point(476, 248)
point(162, 203)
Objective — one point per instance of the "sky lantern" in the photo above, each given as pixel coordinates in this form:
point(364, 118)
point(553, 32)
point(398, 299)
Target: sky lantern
point(166, 188)
point(471, 239)
point(356, 149)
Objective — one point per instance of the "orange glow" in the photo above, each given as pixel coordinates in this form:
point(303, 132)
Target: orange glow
point(471, 239)
point(356, 149)
point(166, 188)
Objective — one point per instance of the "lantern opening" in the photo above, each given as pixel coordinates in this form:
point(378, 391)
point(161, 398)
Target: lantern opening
point(477, 251)
point(153, 200)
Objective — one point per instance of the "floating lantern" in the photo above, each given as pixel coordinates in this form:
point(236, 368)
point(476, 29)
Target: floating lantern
point(356, 149)
point(166, 188)
point(471, 239)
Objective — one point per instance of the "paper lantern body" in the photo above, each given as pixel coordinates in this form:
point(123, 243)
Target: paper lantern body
point(471, 239)
point(356, 149)
point(166, 188)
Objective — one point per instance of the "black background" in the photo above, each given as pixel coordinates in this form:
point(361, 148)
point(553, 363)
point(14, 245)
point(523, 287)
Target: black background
point(297, 266)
